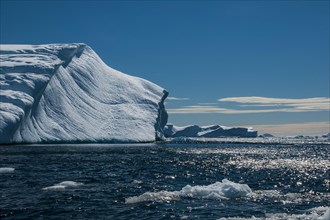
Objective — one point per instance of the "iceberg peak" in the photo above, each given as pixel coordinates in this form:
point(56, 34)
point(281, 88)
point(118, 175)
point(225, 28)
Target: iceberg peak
point(66, 93)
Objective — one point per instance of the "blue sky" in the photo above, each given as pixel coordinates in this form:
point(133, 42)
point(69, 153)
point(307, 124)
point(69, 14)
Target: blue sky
point(235, 63)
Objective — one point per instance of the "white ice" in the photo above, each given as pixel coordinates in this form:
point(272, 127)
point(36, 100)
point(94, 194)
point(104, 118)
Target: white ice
point(220, 190)
point(319, 213)
point(6, 169)
point(65, 93)
point(63, 185)
point(211, 131)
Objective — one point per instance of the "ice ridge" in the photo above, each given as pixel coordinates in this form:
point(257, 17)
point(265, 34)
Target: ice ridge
point(66, 93)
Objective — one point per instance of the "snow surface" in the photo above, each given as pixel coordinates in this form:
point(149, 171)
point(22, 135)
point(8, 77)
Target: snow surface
point(211, 131)
point(65, 93)
point(219, 190)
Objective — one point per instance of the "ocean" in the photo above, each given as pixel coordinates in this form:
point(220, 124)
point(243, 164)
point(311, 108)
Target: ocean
point(211, 180)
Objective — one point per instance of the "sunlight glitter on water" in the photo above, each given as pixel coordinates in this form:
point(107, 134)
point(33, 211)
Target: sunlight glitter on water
point(164, 181)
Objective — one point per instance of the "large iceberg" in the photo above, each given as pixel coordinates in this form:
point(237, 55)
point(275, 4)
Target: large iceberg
point(66, 93)
point(211, 131)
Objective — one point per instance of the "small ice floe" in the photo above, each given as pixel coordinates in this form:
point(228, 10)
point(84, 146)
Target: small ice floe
point(219, 190)
point(6, 169)
point(170, 177)
point(137, 182)
point(63, 185)
point(319, 213)
point(326, 215)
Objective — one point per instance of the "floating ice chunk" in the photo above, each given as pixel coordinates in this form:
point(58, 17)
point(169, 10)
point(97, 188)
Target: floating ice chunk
point(319, 211)
point(219, 190)
point(326, 215)
point(312, 216)
point(63, 185)
point(316, 214)
point(137, 182)
point(6, 169)
point(154, 196)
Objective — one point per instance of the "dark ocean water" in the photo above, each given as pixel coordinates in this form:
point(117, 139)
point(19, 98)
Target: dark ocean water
point(149, 181)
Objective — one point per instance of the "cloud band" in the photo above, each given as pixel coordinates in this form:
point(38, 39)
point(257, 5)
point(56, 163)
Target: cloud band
point(273, 105)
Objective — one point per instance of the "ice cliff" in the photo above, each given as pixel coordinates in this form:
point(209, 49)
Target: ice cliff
point(65, 93)
point(212, 131)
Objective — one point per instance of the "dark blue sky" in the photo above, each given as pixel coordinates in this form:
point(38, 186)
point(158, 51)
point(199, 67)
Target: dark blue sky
point(199, 50)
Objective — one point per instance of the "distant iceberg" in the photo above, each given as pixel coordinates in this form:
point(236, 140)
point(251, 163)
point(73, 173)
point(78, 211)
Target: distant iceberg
point(266, 135)
point(65, 93)
point(326, 135)
point(211, 131)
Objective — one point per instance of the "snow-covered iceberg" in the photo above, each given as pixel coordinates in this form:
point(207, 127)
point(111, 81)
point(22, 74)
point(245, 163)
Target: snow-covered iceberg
point(211, 131)
point(66, 93)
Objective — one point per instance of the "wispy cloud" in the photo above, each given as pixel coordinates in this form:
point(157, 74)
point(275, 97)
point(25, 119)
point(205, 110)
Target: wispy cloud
point(176, 99)
point(307, 104)
point(196, 109)
point(213, 109)
point(208, 103)
point(265, 100)
point(273, 104)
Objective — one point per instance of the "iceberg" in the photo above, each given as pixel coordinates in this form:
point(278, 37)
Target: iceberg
point(211, 131)
point(326, 135)
point(266, 135)
point(66, 93)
